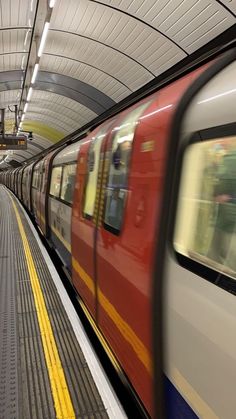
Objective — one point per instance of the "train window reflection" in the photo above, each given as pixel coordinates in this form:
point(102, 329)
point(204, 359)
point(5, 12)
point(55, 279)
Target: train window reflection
point(92, 174)
point(206, 217)
point(68, 182)
point(56, 181)
point(35, 179)
point(117, 185)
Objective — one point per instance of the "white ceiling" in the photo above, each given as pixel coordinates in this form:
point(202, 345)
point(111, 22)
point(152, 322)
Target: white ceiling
point(96, 54)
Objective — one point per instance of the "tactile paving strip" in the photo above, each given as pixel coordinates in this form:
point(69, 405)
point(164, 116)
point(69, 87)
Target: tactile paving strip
point(35, 397)
point(8, 323)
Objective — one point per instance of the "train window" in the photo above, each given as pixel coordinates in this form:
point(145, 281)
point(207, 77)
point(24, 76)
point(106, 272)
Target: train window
point(205, 228)
point(117, 185)
point(56, 181)
point(35, 179)
point(92, 177)
point(68, 182)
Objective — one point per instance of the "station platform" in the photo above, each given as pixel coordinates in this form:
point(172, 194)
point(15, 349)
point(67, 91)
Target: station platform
point(47, 366)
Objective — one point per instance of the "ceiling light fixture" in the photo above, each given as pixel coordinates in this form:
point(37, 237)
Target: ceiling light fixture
point(29, 94)
point(43, 38)
point(35, 72)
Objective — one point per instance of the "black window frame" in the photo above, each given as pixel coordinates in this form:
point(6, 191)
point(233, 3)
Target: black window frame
point(217, 278)
point(36, 173)
point(59, 197)
point(106, 226)
point(63, 167)
point(89, 217)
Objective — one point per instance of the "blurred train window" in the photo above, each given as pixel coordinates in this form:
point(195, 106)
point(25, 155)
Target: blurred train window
point(117, 184)
point(92, 176)
point(68, 182)
point(56, 181)
point(43, 182)
point(35, 180)
point(205, 228)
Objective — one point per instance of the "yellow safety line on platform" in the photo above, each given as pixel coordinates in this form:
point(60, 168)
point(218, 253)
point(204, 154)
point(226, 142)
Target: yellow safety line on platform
point(61, 396)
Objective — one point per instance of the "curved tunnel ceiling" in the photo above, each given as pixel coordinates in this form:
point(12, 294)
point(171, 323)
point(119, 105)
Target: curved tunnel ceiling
point(96, 54)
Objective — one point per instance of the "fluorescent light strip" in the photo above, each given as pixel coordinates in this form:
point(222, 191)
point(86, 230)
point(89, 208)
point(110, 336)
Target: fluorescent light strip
point(43, 38)
point(23, 117)
point(29, 94)
point(52, 3)
point(26, 107)
point(35, 72)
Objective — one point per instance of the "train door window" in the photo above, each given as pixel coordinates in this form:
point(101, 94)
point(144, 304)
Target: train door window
point(39, 177)
point(92, 176)
point(43, 184)
point(56, 181)
point(35, 179)
point(68, 182)
point(117, 184)
point(205, 229)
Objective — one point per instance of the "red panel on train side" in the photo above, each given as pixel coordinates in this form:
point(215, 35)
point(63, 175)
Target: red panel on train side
point(82, 237)
point(124, 262)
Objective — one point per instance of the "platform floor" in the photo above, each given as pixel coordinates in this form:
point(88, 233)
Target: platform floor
point(43, 371)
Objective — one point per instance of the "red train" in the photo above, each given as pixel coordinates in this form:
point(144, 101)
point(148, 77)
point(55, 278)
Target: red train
point(129, 235)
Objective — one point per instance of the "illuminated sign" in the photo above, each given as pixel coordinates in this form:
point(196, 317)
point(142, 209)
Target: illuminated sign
point(13, 142)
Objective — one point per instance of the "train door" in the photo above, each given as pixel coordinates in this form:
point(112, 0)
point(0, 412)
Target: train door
point(36, 180)
point(20, 183)
point(42, 195)
point(84, 216)
point(196, 255)
point(123, 250)
point(45, 189)
point(25, 191)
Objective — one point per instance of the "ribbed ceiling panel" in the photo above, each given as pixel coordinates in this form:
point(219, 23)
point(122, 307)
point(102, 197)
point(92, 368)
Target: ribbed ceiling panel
point(47, 113)
point(106, 59)
point(190, 24)
point(95, 77)
point(16, 12)
point(71, 108)
point(12, 41)
point(123, 33)
point(49, 120)
point(97, 53)
point(14, 61)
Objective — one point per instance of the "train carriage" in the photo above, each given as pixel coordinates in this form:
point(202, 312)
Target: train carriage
point(142, 213)
point(60, 201)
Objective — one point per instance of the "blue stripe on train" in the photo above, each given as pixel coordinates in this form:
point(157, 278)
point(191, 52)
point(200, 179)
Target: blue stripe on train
point(176, 406)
